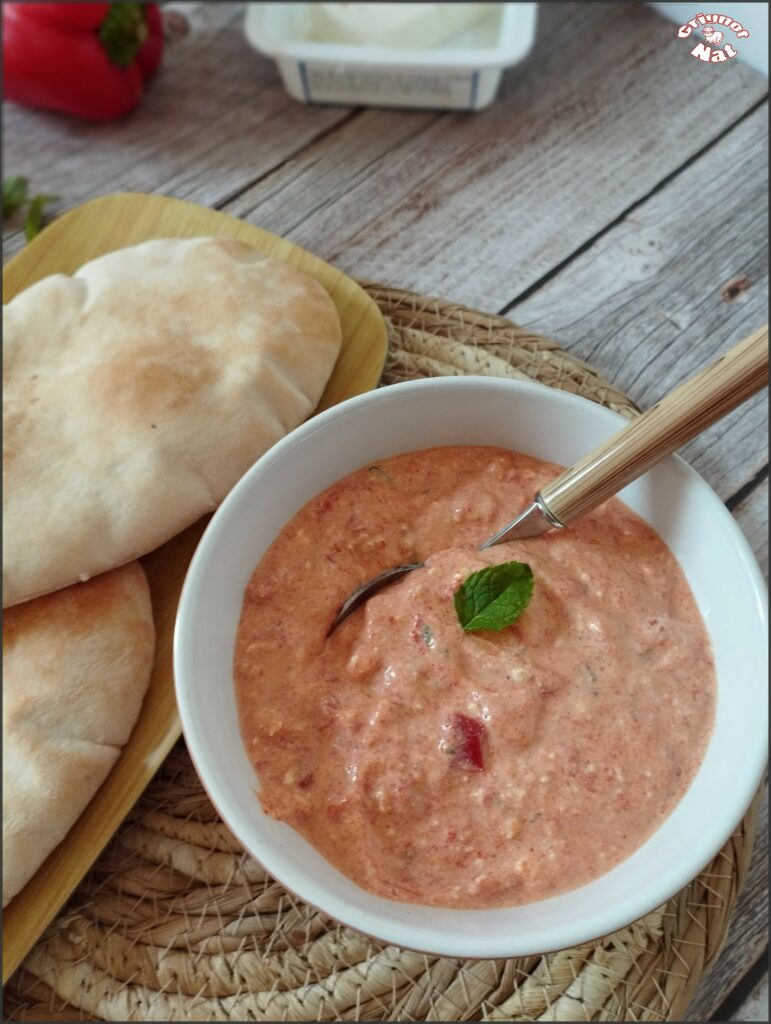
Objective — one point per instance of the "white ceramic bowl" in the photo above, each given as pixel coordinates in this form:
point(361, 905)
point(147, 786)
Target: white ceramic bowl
point(549, 425)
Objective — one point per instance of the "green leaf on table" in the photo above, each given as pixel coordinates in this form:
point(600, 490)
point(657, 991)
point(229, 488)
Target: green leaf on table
point(14, 194)
point(16, 197)
point(34, 218)
point(495, 597)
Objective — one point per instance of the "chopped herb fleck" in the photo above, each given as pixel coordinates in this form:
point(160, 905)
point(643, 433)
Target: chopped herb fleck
point(380, 472)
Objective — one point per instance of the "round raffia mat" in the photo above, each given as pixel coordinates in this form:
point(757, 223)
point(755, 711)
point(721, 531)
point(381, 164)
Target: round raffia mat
point(176, 922)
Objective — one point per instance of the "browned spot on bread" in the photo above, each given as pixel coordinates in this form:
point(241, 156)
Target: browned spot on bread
point(145, 382)
point(74, 610)
point(164, 370)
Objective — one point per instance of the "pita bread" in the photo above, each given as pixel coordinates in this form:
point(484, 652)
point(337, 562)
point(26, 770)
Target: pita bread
point(138, 391)
point(75, 669)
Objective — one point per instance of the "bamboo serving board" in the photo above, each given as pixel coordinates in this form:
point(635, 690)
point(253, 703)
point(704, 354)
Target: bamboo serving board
point(98, 227)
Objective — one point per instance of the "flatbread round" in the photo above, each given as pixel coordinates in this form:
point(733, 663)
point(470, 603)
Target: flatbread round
point(76, 665)
point(138, 391)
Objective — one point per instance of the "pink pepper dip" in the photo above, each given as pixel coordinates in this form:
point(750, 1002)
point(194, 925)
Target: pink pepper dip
point(458, 769)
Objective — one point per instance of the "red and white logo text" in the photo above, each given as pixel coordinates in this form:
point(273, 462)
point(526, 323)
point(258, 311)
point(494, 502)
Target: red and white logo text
point(714, 28)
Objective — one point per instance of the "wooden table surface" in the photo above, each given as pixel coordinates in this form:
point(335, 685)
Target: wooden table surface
point(613, 198)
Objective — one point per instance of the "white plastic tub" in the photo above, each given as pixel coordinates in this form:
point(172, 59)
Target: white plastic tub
point(462, 74)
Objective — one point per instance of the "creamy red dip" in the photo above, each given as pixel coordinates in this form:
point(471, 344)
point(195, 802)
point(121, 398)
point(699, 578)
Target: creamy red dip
point(461, 769)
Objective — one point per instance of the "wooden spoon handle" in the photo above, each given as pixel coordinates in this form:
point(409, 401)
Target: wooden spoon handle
point(681, 415)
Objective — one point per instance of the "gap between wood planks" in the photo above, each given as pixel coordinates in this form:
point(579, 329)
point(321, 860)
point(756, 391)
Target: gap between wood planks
point(745, 491)
point(657, 278)
point(658, 187)
point(576, 93)
point(481, 206)
point(733, 1004)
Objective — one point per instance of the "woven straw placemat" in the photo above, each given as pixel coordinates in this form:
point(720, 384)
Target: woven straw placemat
point(176, 922)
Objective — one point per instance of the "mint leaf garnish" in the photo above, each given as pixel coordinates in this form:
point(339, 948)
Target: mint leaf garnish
point(495, 597)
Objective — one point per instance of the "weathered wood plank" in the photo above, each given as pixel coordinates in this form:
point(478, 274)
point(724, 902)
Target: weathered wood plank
point(680, 279)
point(215, 118)
point(481, 206)
point(747, 935)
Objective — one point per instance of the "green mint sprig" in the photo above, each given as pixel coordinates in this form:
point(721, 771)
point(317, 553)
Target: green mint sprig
point(495, 597)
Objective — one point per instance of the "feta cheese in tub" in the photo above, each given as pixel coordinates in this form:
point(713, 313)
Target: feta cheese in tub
point(407, 25)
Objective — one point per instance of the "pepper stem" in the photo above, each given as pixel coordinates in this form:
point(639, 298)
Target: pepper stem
point(123, 31)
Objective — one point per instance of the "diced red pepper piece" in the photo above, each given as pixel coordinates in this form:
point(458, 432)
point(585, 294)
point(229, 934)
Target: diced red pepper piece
point(465, 742)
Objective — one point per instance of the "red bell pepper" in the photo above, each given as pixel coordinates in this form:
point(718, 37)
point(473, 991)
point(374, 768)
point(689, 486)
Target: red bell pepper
point(88, 59)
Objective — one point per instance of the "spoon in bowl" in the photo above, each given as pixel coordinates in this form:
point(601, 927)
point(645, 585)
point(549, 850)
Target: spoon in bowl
point(677, 418)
